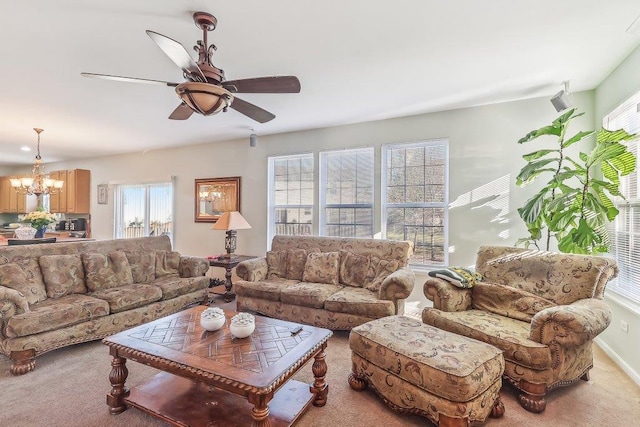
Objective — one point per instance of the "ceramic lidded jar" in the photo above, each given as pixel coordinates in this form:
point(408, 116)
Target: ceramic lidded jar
point(212, 318)
point(242, 325)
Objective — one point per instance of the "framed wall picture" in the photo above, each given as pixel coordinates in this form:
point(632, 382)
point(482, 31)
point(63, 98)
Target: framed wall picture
point(103, 194)
point(215, 196)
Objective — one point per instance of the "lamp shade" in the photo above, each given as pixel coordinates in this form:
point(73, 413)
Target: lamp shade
point(231, 221)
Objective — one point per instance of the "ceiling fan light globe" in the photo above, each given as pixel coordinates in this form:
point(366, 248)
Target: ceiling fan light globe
point(204, 98)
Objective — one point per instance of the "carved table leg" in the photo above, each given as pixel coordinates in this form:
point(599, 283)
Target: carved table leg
point(117, 377)
point(319, 387)
point(260, 411)
point(23, 361)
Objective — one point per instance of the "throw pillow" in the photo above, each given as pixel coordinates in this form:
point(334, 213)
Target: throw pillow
point(322, 267)
point(276, 264)
point(353, 268)
point(62, 274)
point(105, 271)
point(12, 276)
point(143, 265)
point(296, 260)
point(379, 269)
point(457, 276)
point(167, 263)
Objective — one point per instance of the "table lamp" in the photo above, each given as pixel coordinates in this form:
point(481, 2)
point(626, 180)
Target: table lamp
point(230, 221)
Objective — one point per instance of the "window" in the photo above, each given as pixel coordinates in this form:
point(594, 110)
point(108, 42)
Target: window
point(415, 197)
point(346, 194)
point(625, 230)
point(291, 195)
point(144, 210)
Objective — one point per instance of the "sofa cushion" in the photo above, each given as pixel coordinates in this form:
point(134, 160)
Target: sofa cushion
point(264, 289)
point(104, 271)
point(63, 275)
point(277, 264)
point(167, 263)
point(308, 294)
point(379, 269)
point(128, 297)
point(507, 301)
point(360, 301)
point(13, 276)
point(56, 313)
point(509, 335)
point(172, 286)
point(354, 268)
point(296, 261)
point(322, 267)
point(143, 265)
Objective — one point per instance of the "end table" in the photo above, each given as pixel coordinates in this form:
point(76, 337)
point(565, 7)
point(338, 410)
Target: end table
point(228, 264)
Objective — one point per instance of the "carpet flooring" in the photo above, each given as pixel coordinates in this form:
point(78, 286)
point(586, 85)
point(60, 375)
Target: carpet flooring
point(69, 385)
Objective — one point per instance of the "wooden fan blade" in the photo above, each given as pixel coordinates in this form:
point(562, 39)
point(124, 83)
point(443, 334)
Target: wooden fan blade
point(252, 111)
point(129, 79)
point(178, 54)
point(182, 112)
point(280, 84)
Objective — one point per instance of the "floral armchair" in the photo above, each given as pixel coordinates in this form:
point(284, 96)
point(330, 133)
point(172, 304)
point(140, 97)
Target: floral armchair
point(542, 309)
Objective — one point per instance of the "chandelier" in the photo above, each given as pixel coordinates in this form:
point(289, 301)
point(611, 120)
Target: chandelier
point(39, 182)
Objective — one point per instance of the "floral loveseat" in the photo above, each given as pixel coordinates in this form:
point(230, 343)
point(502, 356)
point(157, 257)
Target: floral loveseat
point(336, 283)
point(542, 309)
point(58, 294)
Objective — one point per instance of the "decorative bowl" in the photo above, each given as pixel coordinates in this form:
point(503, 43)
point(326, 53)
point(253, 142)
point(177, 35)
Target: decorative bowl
point(25, 231)
point(242, 325)
point(212, 318)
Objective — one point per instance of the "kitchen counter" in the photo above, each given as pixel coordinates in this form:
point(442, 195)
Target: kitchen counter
point(3, 242)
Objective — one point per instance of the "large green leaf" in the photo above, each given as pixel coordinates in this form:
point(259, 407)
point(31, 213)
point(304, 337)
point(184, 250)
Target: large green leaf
point(625, 163)
point(576, 138)
point(533, 207)
point(603, 152)
point(547, 130)
point(533, 169)
point(562, 220)
point(606, 136)
point(537, 154)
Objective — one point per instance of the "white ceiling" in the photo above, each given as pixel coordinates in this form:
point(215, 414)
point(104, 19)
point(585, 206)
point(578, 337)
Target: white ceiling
point(357, 61)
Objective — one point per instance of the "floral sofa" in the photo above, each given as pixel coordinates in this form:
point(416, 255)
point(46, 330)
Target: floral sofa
point(542, 309)
point(336, 283)
point(58, 294)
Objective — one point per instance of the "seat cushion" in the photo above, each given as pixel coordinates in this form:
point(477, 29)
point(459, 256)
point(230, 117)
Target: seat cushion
point(447, 365)
point(359, 301)
point(509, 335)
point(264, 289)
point(128, 297)
point(308, 294)
point(172, 286)
point(56, 313)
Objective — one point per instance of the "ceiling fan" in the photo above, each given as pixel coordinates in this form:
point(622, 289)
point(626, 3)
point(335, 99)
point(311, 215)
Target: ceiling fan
point(205, 90)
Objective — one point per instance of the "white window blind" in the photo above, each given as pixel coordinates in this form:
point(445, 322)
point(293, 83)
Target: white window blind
point(624, 232)
point(144, 210)
point(346, 193)
point(415, 198)
point(290, 204)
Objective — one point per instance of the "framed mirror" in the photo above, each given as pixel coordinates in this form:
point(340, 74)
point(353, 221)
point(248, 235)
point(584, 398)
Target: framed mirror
point(215, 196)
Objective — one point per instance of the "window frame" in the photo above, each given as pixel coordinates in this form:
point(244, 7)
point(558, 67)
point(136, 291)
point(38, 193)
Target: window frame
point(322, 190)
point(384, 205)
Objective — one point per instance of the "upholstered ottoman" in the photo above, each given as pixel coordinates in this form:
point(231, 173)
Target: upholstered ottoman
point(419, 369)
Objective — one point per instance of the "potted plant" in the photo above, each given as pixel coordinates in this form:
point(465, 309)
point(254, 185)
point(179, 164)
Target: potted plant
point(40, 220)
point(574, 205)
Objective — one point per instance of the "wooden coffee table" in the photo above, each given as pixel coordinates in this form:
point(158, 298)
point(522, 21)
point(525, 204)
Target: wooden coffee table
point(210, 378)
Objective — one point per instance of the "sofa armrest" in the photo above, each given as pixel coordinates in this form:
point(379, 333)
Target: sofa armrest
point(12, 302)
point(570, 325)
point(445, 296)
point(252, 270)
point(191, 266)
point(397, 285)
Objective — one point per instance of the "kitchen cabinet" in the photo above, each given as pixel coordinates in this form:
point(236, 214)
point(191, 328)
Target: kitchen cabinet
point(11, 201)
point(75, 196)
